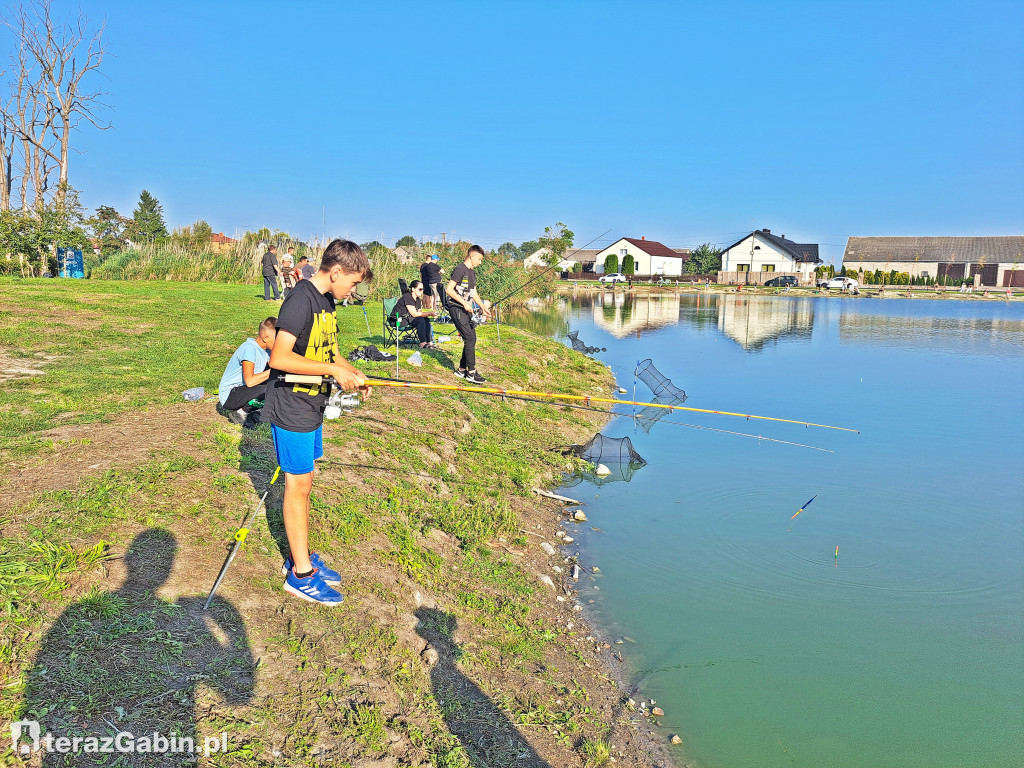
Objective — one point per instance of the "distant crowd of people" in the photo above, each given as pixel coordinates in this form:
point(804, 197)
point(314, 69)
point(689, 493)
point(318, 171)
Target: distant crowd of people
point(288, 270)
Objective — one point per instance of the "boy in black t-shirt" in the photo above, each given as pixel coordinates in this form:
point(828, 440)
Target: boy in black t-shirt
point(307, 343)
point(461, 291)
point(409, 309)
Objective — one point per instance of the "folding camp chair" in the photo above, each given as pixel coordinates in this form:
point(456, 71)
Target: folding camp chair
point(394, 331)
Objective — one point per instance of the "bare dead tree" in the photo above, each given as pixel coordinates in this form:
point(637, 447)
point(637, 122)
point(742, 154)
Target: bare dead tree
point(55, 65)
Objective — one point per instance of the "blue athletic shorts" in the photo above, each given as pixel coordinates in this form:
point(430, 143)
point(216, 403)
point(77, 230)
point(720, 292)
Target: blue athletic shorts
point(296, 451)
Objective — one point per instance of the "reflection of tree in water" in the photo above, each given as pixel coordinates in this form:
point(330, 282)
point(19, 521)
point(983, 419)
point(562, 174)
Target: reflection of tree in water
point(608, 308)
point(130, 661)
point(547, 319)
point(489, 737)
point(627, 308)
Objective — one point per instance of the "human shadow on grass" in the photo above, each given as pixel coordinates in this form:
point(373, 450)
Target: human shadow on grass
point(130, 662)
point(488, 736)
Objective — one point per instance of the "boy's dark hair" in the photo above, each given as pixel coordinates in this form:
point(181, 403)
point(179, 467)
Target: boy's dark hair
point(271, 247)
point(303, 258)
point(270, 322)
point(475, 249)
point(415, 284)
point(349, 256)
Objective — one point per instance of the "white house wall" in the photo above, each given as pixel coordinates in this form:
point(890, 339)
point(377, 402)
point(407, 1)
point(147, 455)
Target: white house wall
point(768, 254)
point(643, 263)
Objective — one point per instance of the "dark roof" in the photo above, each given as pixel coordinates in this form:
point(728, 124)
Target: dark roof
point(654, 248)
point(801, 252)
point(581, 255)
point(955, 249)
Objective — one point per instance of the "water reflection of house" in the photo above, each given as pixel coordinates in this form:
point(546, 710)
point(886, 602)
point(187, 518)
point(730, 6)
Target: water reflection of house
point(753, 322)
point(950, 333)
point(622, 314)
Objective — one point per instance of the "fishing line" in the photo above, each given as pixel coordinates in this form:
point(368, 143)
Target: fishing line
point(588, 399)
point(636, 419)
point(540, 275)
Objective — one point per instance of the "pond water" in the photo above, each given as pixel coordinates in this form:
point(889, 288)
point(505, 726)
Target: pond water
point(763, 647)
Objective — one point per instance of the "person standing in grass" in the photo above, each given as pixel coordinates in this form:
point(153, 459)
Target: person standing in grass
point(307, 343)
point(461, 290)
point(270, 273)
point(245, 378)
point(288, 271)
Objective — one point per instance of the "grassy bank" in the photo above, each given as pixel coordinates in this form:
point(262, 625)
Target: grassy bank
point(120, 499)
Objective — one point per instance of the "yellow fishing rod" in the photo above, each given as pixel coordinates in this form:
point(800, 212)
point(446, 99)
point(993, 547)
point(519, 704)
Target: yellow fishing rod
point(379, 382)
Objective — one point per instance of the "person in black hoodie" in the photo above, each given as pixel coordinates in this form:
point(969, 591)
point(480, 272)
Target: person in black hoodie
point(270, 273)
point(430, 276)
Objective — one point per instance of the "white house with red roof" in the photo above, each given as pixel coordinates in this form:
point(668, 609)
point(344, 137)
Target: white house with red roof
point(649, 257)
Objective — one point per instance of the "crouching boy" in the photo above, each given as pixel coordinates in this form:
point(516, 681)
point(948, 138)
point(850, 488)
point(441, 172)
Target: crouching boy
point(307, 343)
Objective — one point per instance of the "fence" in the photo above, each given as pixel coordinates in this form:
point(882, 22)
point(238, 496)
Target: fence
point(758, 278)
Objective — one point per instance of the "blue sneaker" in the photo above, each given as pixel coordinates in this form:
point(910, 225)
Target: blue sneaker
point(329, 575)
point(312, 588)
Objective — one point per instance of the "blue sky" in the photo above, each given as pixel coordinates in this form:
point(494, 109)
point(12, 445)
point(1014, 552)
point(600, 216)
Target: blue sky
point(683, 122)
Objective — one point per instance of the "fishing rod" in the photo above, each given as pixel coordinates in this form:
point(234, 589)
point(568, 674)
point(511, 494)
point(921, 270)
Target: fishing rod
point(661, 421)
point(240, 535)
point(587, 399)
point(517, 290)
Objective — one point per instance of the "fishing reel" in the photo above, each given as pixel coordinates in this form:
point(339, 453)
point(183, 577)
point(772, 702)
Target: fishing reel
point(338, 402)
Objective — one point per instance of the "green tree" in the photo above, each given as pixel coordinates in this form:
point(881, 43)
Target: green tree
point(527, 247)
point(508, 250)
point(109, 229)
point(35, 234)
point(408, 241)
point(202, 234)
point(147, 223)
point(557, 240)
point(704, 260)
point(628, 264)
point(611, 263)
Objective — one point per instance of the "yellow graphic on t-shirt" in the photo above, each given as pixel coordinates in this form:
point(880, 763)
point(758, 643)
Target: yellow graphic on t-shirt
point(323, 338)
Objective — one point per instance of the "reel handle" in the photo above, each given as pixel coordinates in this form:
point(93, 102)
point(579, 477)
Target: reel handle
point(302, 378)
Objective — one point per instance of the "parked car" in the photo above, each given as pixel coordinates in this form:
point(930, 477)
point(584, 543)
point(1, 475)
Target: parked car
point(614, 277)
point(843, 283)
point(780, 282)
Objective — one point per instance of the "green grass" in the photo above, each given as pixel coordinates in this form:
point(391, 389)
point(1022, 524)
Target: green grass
point(114, 347)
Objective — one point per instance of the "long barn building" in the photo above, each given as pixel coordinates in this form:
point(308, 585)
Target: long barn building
point(988, 261)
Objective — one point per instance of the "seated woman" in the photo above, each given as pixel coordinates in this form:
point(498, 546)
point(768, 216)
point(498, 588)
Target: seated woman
point(409, 308)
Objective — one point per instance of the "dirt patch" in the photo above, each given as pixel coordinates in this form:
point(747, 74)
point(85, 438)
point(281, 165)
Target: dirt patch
point(22, 367)
point(79, 451)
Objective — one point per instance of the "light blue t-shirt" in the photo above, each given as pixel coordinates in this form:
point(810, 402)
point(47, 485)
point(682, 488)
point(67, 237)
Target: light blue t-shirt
point(249, 350)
